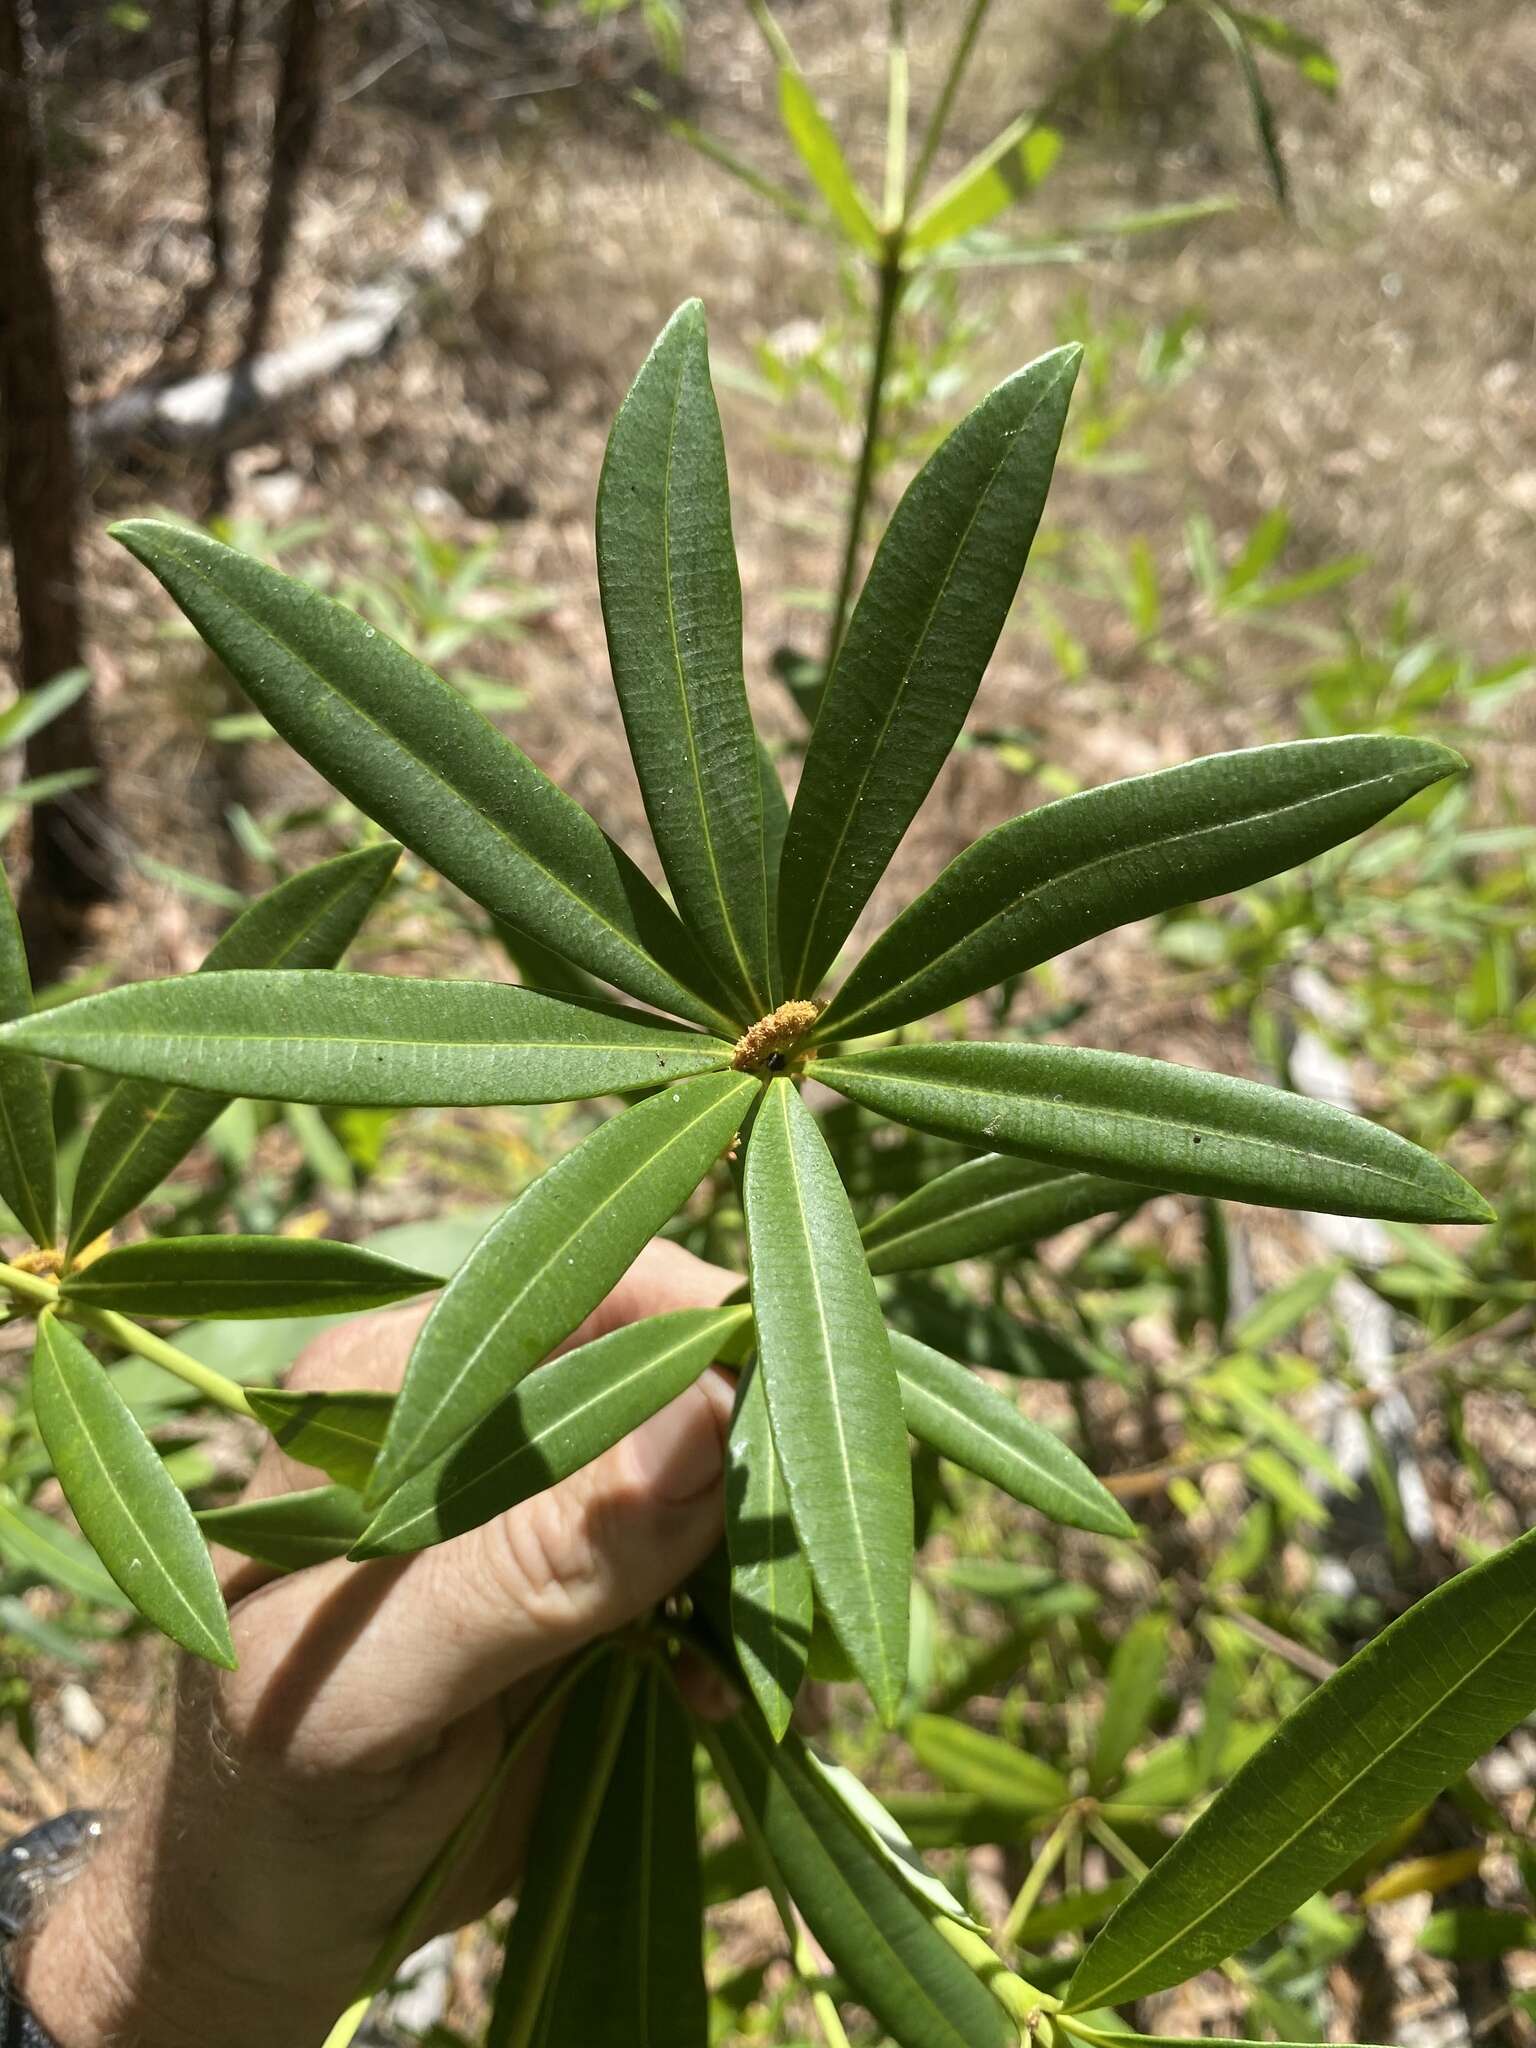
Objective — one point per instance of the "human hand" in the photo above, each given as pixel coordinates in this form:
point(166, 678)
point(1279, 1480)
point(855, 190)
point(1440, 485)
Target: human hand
point(244, 1893)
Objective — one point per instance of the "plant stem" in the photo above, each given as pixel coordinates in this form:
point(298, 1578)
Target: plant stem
point(461, 1844)
point(938, 120)
point(772, 34)
point(213, 1386)
point(890, 283)
point(1015, 1994)
point(39, 1293)
point(1033, 1885)
point(896, 117)
point(1122, 1852)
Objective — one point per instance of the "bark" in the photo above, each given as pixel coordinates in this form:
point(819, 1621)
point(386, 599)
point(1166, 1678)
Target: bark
point(70, 868)
point(294, 126)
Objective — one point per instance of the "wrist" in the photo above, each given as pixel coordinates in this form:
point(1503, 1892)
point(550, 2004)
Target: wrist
point(122, 1960)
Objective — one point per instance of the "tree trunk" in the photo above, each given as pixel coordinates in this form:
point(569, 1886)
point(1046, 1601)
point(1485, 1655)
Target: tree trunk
point(70, 866)
point(294, 125)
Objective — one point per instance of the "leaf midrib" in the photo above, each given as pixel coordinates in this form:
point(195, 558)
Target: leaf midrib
point(898, 696)
point(1042, 1475)
point(1378, 1757)
point(61, 1373)
point(608, 1391)
point(154, 1113)
point(685, 707)
point(813, 1273)
point(517, 846)
point(585, 1221)
point(976, 935)
point(1138, 1120)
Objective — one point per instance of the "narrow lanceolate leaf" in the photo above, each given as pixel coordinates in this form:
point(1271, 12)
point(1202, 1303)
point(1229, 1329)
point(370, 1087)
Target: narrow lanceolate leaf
point(134, 1517)
point(966, 1420)
point(549, 1260)
point(146, 1128)
point(671, 595)
point(413, 754)
point(1020, 159)
point(966, 1760)
point(1166, 1126)
point(772, 1606)
point(1130, 1699)
point(31, 1541)
point(987, 1205)
point(242, 1277)
point(633, 1968)
point(831, 1388)
point(1396, 1724)
point(289, 1531)
point(557, 1420)
point(338, 1432)
point(818, 148)
point(1070, 870)
point(882, 1940)
point(366, 1039)
point(921, 636)
point(28, 1170)
point(592, 1725)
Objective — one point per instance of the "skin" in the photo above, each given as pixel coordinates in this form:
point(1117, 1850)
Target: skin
point(241, 1897)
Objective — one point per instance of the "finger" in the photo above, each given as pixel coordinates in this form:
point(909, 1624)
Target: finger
point(363, 1665)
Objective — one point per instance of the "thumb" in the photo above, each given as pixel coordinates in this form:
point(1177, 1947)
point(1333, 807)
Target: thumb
point(586, 1556)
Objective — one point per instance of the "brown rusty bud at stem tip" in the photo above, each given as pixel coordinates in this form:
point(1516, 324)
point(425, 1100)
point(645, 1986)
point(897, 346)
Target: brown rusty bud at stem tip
point(775, 1033)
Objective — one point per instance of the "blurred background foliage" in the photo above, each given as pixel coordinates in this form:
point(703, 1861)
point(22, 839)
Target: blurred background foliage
point(1297, 496)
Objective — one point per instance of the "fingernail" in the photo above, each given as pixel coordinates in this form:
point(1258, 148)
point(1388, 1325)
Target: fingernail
point(677, 1455)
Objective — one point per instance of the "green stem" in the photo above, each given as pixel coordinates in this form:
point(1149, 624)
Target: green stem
point(1016, 1995)
point(896, 117)
point(1033, 1885)
point(39, 1293)
point(938, 120)
point(890, 283)
point(773, 35)
point(1122, 1852)
point(460, 1845)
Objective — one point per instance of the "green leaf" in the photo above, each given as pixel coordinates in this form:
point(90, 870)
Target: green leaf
point(34, 709)
point(966, 1420)
point(551, 1424)
point(592, 1726)
point(409, 750)
point(1168, 1126)
point(671, 595)
point(710, 146)
point(549, 1260)
point(144, 1129)
point(128, 1506)
point(1062, 874)
point(1010, 168)
point(634, 1970)
point(819, 150)
point(771, 1598)
point(1310, 58)
point(366, 1039)
point(1402, 1719)
point(1130, 1698)
point(242, 1277)
point(1476, 1933)
point(881, 1939)
point(1233, 32)
point(338, 1432)
point(831, 1389)
point(29, 1184)
point(1102, 2039)
point(987, 1205)
point(289, 1531)
point(889, 1839)
point(33, 1542)
point(921, 636)
point(967, 1761)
